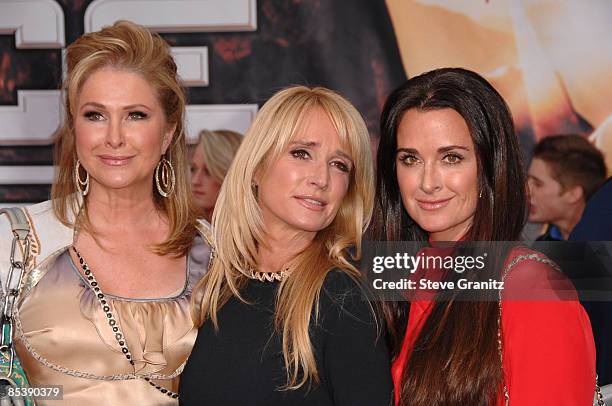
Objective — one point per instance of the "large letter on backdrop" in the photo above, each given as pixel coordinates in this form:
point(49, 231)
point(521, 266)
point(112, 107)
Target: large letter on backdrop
point(187, 16)
point(36, 24)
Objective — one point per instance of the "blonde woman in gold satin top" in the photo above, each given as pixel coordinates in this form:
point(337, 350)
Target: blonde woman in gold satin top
point(105, 311)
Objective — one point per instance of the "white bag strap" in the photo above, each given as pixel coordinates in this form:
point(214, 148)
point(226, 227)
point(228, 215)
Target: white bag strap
point(19, 222)
point(21, 229)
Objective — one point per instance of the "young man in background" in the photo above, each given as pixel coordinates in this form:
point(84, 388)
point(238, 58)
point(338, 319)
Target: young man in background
point(564, 172)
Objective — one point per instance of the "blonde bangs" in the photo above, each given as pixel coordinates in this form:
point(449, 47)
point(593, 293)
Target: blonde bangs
point(288, 119)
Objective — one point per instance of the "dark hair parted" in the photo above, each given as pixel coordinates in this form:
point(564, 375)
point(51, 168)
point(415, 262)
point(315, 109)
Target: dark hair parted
point(573, 161)
point(455, 360)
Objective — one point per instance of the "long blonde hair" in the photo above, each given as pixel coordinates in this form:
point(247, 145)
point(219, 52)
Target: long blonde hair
point(219, 148)
point(131, 47)
point(238, 226)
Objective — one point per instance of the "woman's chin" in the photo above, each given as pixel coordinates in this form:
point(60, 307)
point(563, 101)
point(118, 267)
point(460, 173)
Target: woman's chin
point(120, 185)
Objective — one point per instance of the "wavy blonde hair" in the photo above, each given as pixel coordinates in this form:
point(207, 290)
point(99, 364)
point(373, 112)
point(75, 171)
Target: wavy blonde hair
point(239, 230)
point(219, 147)
point(133, 48)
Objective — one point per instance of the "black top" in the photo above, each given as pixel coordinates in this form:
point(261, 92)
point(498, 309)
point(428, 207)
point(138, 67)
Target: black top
point(596, 225)
point(242, 363)
point(552, 233)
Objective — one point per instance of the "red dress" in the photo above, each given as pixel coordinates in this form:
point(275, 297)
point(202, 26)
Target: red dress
point(548, 347)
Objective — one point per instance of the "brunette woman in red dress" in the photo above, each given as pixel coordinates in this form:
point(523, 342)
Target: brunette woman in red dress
point(450, 169)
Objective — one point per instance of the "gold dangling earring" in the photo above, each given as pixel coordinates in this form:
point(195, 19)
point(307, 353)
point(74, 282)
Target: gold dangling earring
point(166, 180)
point(78, 182)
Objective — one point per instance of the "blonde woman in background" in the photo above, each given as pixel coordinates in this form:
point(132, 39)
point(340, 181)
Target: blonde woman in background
point(284, 321)
point(211, 159)
point(105, 309)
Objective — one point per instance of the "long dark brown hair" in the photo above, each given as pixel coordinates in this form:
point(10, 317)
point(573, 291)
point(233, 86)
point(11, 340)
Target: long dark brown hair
point(455, 360)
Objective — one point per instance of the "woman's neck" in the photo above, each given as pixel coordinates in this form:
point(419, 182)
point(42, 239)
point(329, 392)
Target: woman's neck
point(456, 234)
point(208, 215)
point(109, 208)
point(279, 249)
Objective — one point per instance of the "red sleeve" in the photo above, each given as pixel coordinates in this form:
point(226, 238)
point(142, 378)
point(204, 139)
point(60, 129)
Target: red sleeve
point(549, 352)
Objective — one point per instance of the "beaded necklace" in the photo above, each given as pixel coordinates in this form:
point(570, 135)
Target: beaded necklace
point(119, 336)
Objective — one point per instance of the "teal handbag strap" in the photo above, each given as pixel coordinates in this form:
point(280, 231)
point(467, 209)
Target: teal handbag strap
point(10, 288)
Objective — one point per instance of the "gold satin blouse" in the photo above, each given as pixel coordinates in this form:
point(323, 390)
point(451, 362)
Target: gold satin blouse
point(64, 338)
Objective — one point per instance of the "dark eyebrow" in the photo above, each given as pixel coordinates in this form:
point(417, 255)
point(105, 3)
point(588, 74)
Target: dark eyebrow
point(407, 150)
point(451, 147)
point(440, 150)
point(316, 144)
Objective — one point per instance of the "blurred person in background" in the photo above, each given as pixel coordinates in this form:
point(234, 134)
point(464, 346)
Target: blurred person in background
point(596, 225)
point(564, 172)
point(211, 159)
point(596, 221)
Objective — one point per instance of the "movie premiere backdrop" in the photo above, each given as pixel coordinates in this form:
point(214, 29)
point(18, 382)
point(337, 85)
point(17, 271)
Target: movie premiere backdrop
point(550, 59)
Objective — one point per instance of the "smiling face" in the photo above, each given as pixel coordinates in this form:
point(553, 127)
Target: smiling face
point(121, 130)
point(437, 172)
point(303, 189)
point(205, 187)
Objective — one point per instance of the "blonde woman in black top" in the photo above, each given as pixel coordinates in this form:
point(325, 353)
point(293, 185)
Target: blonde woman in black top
point(284, 321)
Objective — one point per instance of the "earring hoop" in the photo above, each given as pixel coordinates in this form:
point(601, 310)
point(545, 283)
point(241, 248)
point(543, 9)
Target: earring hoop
point(165, 181)
point(80, 183)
